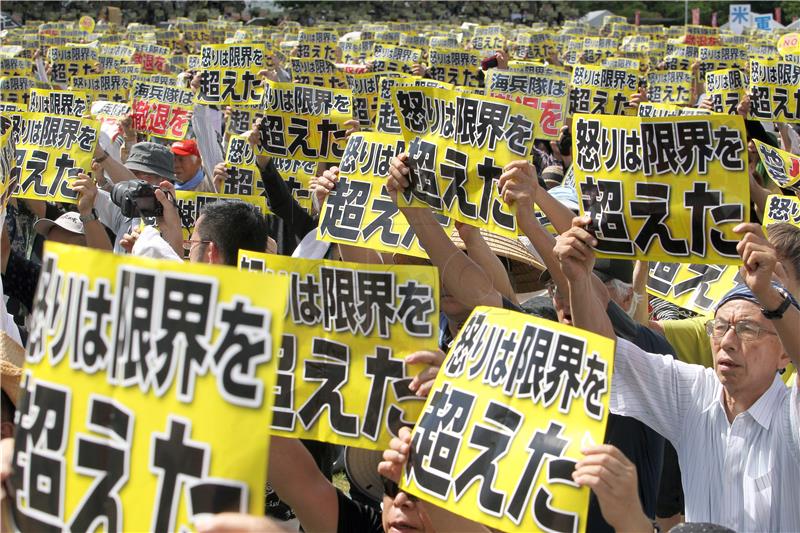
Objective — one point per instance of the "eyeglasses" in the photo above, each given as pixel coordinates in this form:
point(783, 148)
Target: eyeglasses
point(188, 245)
point(744, 329)
point(391, 489)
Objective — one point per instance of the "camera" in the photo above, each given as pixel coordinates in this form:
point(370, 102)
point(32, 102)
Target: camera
point(136, 198)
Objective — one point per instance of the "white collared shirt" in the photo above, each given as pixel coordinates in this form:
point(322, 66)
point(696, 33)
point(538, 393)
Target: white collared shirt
point(743, 475)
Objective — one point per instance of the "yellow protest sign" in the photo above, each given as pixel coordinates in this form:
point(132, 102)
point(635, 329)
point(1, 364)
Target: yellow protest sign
point(244, 178)
point(348, 328)
point(161, 110)
point(510, 384)
point(297, 175)
point(113, 87)
point(488, 38)
point(359, 211)
point(15, 66)
point(51, 149)
point(651, 109)
point(139, 376)
point(458, 67)
point(386, 119)
point(663, 189)
point(229, 74)
point(669, 86)
point(773, 86)
point(304, 122)
point(726, 88)
point(8, 160)
point(317, 45)
point(390, 58)
point(621, 63)
point(317, 72)
point(356, 51)
point(533, 45)
point(545, 92)
point(151, 57)
point(783, 167)
point(720, 57)
point(595, 49)
point(69, 61)
point(781, 208)
point(365, 89)
point(690, 286)
point(191, 204)
point(461, 155)
point(789, 44)
point(680, 56)
point(8, 107)
point(75, 103)
point(241, 119)
point(601, 90)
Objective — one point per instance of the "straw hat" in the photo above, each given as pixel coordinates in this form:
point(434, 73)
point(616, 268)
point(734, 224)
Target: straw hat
point(12, 357)
point(523, 268)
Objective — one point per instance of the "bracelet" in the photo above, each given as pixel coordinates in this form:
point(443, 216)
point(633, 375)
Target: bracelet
point(101, 159)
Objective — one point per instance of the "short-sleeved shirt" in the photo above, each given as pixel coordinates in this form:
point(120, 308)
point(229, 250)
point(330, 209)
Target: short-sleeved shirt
point(355, 516)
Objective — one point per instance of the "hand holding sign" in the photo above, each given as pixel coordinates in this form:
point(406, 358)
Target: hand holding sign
point(574, 250)
point(758, 256)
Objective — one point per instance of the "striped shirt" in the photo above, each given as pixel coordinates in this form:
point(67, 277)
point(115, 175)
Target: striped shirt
point(744, 475)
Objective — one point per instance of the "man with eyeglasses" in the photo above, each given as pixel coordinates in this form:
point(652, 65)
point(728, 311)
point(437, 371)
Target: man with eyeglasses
point(736, 427)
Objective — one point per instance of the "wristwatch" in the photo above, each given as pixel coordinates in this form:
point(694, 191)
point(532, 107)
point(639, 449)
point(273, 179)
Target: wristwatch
point(88, 218)
point(778, 313)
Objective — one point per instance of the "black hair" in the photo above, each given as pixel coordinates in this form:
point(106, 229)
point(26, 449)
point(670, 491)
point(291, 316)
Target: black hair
point(233, 226)
point(7, 410)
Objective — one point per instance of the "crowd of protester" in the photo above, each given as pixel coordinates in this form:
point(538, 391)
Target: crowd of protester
point(705, 423)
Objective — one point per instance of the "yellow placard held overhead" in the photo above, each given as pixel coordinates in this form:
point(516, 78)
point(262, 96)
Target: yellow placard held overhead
point(782, 167)
point(191, 203)
point(69, 61)
point(8, 160)
point(112, 87)
point(366, 89)
point(304, 122)
point(359, 211)
point(695, 287)
point(516, 400)
point(663, 189)
point(781, 208)
point(726, 88)
point(317, 72)
point(348, 328)
point(670, 86)
point(57, 102)
point(244, 177)
point(230, 74)
point(457, 156)
point(51, 150)
point(547, 92)
point(161, 110)
point(601, 90)
point(459, 67)
point(139, 377)
point(773, 86)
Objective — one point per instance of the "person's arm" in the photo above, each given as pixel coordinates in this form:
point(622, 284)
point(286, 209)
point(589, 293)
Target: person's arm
point(298, 482)
point(760, 259)
point(110, 166)
point(654, 389)
point(479, 251)
point(462, 277)
point(518, 185)
point(640, 274)
point(96, 236)
point(282, 203)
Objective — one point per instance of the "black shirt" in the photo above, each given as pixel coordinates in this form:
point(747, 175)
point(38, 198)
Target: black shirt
point(355, 516)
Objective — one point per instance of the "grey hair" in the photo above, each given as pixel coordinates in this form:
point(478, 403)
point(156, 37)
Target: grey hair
point(618, 288)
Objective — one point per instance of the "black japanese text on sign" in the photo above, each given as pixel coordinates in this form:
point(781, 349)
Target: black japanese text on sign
point(229, 74)
point(304, 122)
point(663, 189)
point(139, 377)
point(348, 327)
point(458, 146)
point(515, 401)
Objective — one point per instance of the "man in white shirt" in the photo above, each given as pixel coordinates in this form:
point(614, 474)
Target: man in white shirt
point(736, 427)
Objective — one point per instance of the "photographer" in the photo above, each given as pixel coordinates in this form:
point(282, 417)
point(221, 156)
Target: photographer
point(150, 162)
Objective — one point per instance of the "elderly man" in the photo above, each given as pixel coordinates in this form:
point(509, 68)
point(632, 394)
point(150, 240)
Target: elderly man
point(736, 427)
point(189, 172)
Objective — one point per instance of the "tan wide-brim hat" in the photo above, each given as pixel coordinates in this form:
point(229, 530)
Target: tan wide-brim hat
point(523, 268)
point(12, 358)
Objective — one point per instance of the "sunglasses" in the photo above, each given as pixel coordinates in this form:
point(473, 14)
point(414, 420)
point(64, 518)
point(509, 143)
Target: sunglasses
point(391, 489)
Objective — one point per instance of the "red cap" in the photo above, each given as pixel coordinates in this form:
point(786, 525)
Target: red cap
point(187, 147)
